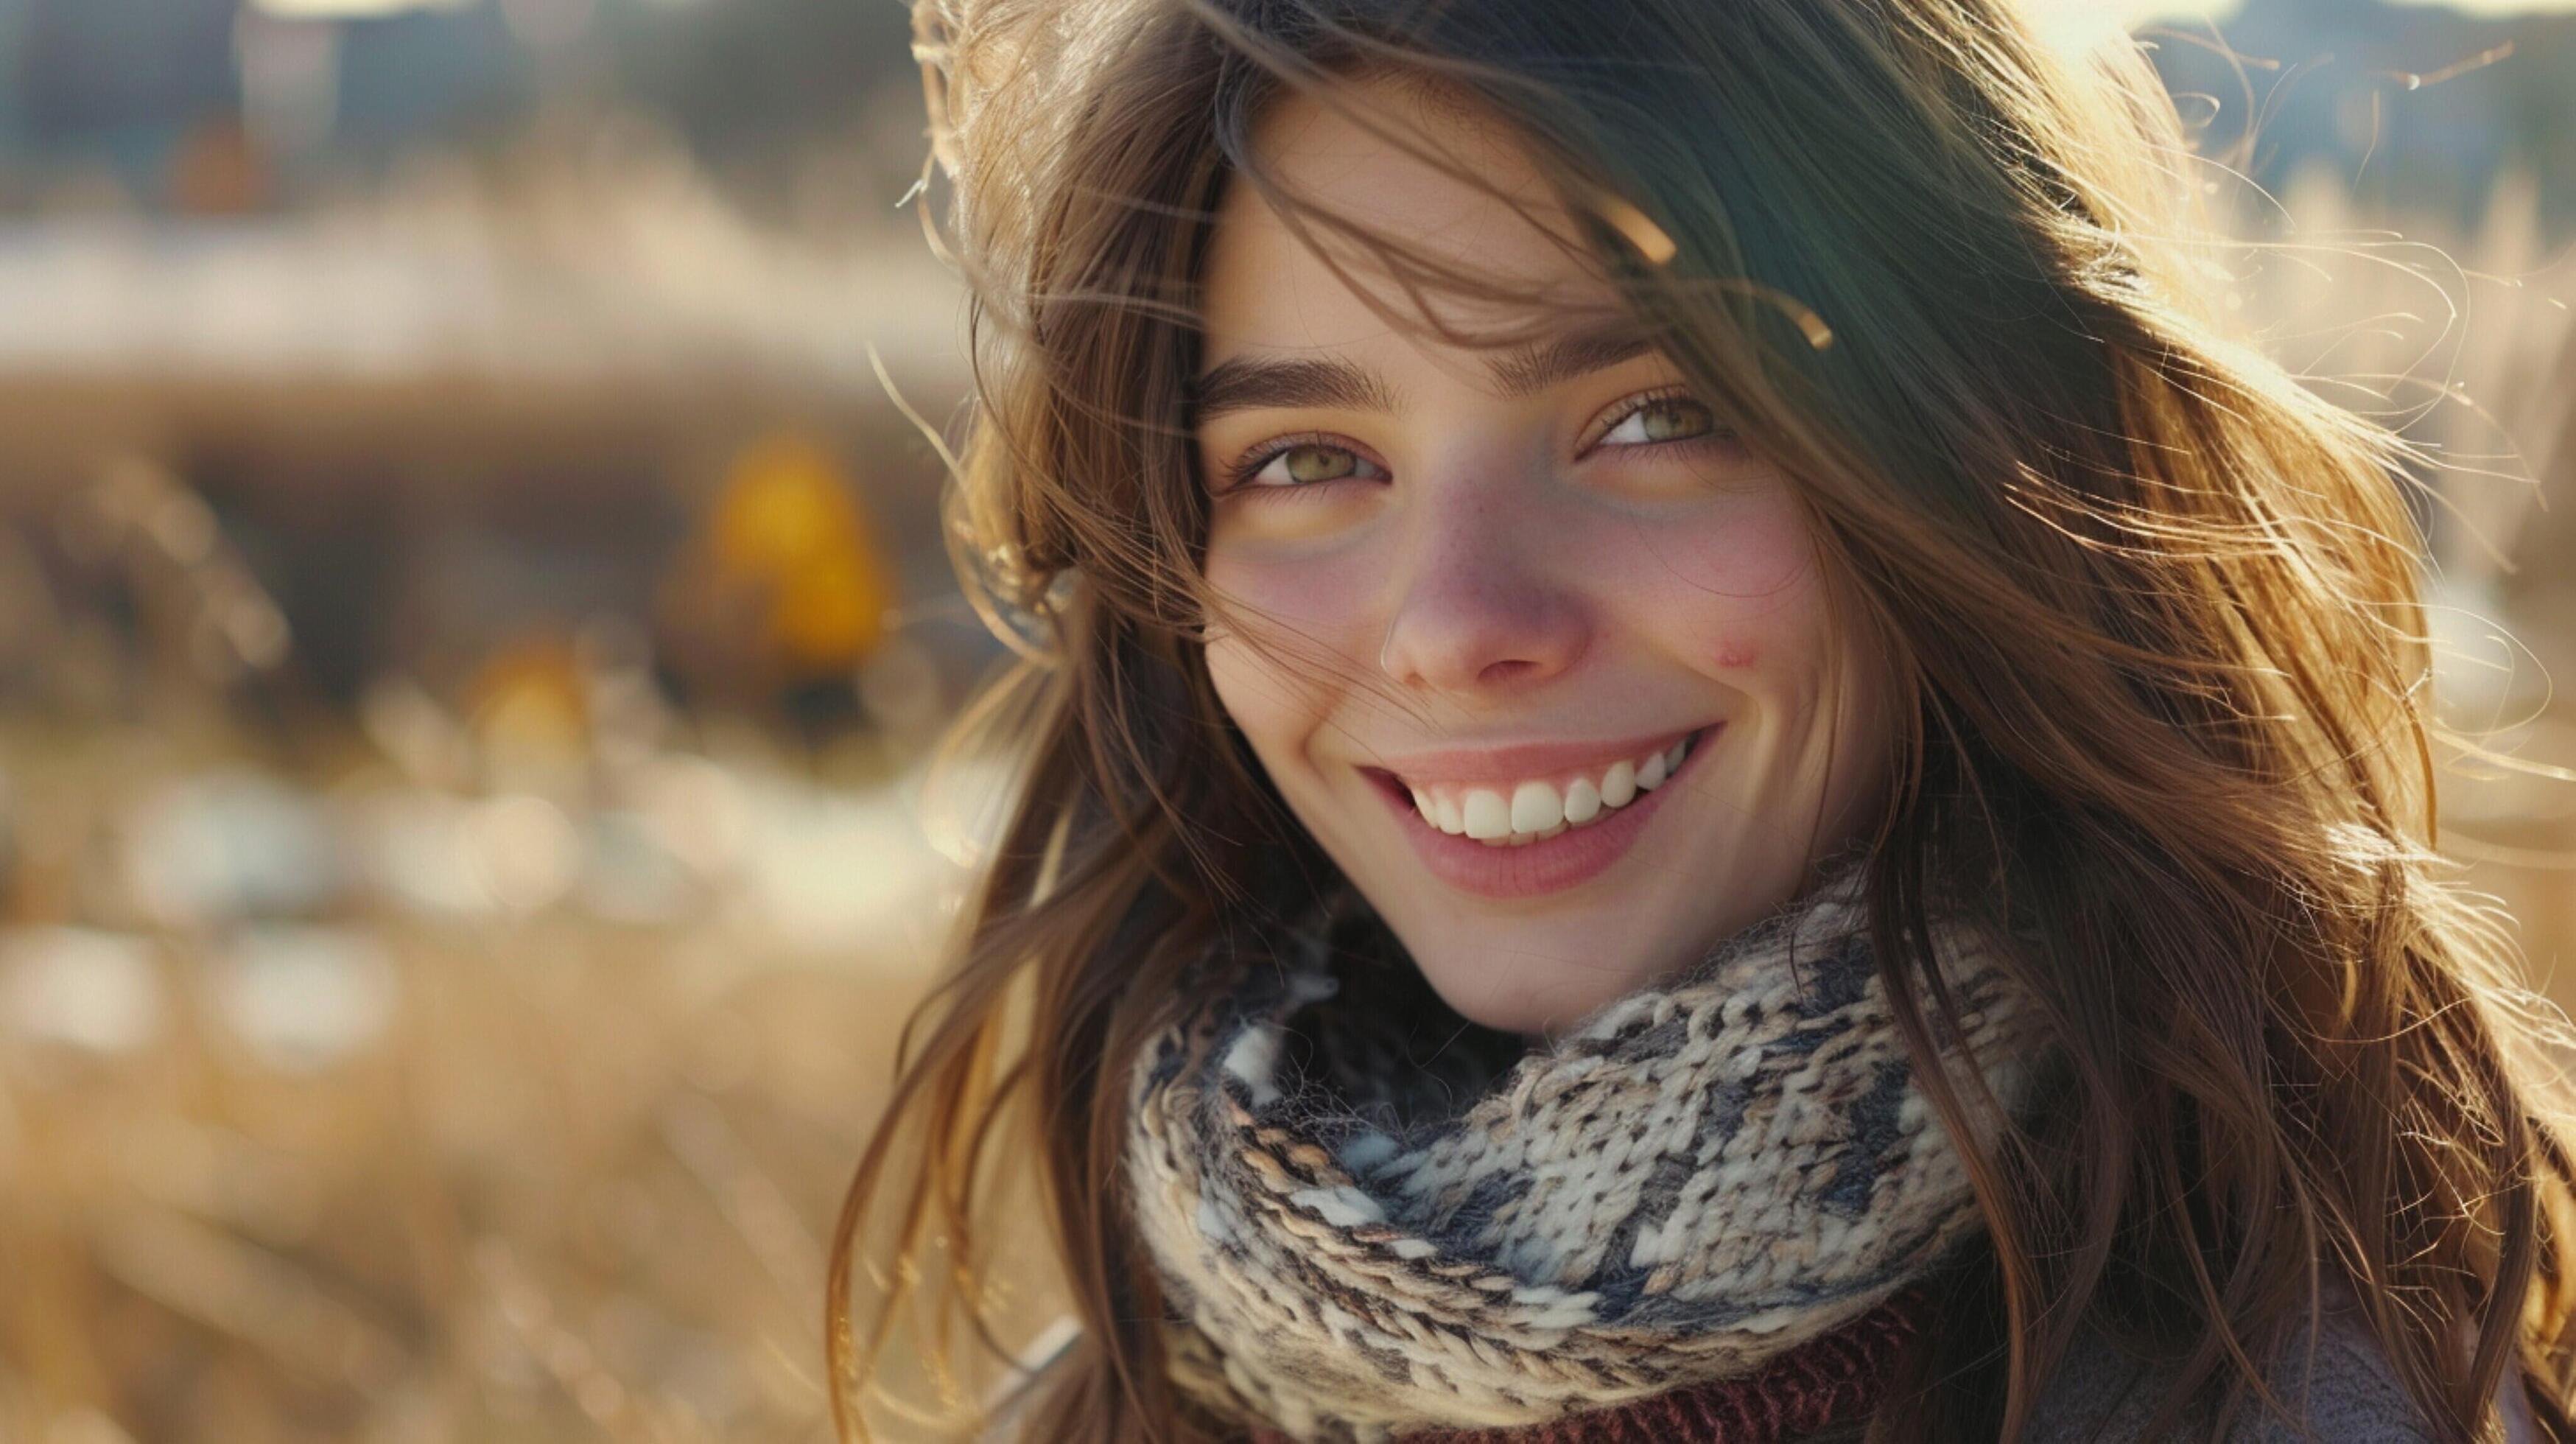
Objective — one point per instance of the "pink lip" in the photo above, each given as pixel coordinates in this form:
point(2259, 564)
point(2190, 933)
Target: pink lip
point(1573, 856)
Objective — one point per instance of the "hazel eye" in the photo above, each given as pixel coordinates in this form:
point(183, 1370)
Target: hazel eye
point(1662, 418)
point(1318, 463)
point(1306, 463)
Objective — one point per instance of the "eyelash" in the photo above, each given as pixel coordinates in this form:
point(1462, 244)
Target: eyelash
point(1719, 433)
point(1239, 475)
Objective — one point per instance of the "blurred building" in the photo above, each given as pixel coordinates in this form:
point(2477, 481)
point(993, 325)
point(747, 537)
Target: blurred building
point(2422, 109)
point(328, 89)
point(459, 315)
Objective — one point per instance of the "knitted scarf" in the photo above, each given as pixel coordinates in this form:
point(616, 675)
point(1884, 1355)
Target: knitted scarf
point(1372, 1218)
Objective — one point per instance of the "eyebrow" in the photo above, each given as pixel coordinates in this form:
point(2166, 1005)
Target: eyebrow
point(1534, 368)
point(1244, 383)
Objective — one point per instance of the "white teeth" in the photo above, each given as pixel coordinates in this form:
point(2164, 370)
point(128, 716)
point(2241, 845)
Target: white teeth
point(1536, 807)
point(1651, 776)
point(1582, 801)
point(1619, 784)
point(1536, 811)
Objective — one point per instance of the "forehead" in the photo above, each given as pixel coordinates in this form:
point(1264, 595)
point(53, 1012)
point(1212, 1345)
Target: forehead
point(1435, 176)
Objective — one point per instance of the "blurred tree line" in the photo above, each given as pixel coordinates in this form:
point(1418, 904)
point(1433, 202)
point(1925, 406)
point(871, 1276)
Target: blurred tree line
point(134, 84)
point(2422, 106)
point(2420, 109)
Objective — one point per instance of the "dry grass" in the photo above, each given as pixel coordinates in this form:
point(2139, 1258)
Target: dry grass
point(572, 1185)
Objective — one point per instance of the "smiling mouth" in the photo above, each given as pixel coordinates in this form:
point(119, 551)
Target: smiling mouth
point(1520, 812)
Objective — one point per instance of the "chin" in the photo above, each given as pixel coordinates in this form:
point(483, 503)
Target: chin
point(1531, 996)
point(1540, 976)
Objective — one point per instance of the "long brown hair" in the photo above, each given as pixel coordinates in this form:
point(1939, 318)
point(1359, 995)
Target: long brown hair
point(2151, 603)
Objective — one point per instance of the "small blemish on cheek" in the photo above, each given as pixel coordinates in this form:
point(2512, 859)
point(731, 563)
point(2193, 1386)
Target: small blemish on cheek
point(1736, 652)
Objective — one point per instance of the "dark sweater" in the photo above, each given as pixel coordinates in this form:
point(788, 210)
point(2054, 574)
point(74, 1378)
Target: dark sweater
point(1802, 1396)
point(1825, 1391)
point(2352, 1396)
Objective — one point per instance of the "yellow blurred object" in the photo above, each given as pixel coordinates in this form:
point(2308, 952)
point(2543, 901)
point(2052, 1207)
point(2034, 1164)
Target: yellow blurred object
point(788, 523)
point(828, 616)
point(529, 711)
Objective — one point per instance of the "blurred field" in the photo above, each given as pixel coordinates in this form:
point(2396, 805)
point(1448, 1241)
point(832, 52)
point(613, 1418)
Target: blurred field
point(353, 1106)
point(459, 834)
point(471, 631)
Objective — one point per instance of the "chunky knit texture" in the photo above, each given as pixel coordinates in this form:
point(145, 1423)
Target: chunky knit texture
point(1372, 1220)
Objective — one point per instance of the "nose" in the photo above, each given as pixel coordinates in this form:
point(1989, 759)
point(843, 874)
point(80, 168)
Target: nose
point(1476, 608)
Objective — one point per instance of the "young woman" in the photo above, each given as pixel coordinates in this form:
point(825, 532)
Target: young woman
point(1701, 763)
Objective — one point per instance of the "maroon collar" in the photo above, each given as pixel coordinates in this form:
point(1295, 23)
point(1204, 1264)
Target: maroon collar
point(1830, 1379)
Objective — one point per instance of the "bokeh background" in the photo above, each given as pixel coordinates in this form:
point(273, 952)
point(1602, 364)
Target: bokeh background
point(473, 625)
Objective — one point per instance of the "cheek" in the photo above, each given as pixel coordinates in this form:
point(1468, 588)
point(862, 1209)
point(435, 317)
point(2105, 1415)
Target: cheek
point(1285, 634)
point(1274, 713)
point(1743, 586)
point(1747, 603)
point(1319, 596)
point(1736, 651)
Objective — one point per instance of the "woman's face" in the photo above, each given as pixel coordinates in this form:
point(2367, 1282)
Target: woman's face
point(1537, 651)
